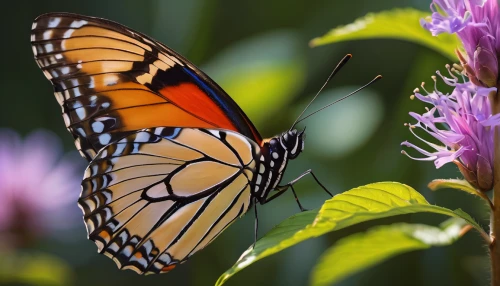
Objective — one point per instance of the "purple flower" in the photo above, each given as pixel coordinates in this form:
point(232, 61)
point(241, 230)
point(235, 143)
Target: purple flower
point(38, 188)
point(477, 24)
point(463, 123)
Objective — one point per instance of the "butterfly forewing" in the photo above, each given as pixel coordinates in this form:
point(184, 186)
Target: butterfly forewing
point(111, 80)
point(156, 196)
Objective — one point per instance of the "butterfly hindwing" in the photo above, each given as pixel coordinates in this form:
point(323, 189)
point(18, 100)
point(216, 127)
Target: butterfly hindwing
point(157, 196)
point(111, 80)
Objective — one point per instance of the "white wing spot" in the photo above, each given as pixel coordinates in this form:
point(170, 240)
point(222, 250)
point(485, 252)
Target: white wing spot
point(49, 48)
point(104, 153)
point(82, 132)
point(165, 258)
point(81, 113)
point(54, 22)
point(76, 92)
point(119, 149)
point(92, 83)
point(104, 139)
point(47, 34)
point(259, 179)
point(262, 168)
point(159, 130)
point(215, 133)
point(114, 247)
point(65, 70)
point(98, 127)
point(68, 33)
point(142, 137)
point(67, 121)
point(109, 80)
point(78, 24)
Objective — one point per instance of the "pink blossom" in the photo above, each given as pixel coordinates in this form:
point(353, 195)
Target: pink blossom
point(38, 187)
point(462, 122)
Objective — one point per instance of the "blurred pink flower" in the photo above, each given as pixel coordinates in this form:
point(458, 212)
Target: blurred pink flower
point(38, 187)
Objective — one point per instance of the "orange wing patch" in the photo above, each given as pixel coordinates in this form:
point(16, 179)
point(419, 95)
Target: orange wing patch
point(110, 81)
point(191, 98)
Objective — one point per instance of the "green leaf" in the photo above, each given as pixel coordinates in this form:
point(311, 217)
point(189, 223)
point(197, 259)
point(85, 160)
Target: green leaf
point(457, 184)
point(401, 24)
point(359, 251)
point(461, 185)
point(361, 204)
point(375, 201)
point(33, 269)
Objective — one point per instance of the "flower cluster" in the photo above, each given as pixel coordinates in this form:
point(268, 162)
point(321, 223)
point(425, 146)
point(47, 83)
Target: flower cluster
point(462, 122)
point(477, 24)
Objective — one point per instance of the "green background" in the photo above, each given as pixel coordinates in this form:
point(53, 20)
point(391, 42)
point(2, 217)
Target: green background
point(258, 51)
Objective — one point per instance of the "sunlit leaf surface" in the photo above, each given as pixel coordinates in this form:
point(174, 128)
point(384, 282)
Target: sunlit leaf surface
point(357, 205)
point(362, 250)
point(456, 184)
point(401, 24)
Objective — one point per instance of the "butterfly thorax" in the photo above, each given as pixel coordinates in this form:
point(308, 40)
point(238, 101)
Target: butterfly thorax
point(274, 156)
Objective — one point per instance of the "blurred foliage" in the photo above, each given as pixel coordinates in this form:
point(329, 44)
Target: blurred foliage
point(401, 24)
point(380, 243)
point(373, 201)
point(245, 73)
point(365, 110)
point(204, 31)
point(33, 269)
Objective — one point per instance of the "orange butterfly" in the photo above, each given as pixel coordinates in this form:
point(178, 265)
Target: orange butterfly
point(173, 159)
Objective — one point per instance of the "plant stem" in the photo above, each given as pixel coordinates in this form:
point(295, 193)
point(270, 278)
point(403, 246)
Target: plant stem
point(495, 212)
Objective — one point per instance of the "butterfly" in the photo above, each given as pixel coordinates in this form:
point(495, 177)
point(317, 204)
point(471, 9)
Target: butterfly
point(173, 160)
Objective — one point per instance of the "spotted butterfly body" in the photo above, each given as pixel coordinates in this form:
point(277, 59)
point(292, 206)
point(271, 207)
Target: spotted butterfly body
point(173, 160)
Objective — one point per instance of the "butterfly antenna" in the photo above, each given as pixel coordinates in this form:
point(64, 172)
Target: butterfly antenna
point(339, 100)
point(335, 70)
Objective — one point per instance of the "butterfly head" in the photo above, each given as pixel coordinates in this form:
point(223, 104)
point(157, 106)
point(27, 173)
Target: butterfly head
point(293, 142)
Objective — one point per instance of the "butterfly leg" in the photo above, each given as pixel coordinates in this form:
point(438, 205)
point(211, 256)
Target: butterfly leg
point(315, 178)
point(282, 189)
point(256, 229)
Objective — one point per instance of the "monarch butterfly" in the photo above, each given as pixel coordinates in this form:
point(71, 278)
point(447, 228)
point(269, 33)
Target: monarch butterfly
point(173, 160)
